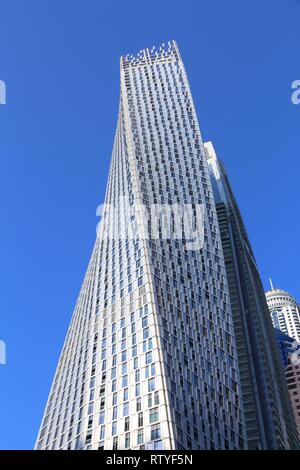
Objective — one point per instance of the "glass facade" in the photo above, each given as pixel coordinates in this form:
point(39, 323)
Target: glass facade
point(267, 408)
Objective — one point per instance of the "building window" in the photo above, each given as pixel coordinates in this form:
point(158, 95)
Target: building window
point(115, 399)
point(91, 408)
point(140, 437)
point(101, 417)
point(125, 381)
point(126, 408)
point(134, 351)
point(155, 432)
point(149, 357)
point(140, 420)
point(102, 433)
point(127, 440)
point(153, 415)
point(151, 385)
point(114, 428)
point(115, 443)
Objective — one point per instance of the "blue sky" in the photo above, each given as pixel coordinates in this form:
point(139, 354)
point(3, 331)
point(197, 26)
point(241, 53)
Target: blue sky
point(60, 62)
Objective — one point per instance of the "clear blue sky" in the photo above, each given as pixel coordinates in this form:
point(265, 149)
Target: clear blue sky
point(60, 61)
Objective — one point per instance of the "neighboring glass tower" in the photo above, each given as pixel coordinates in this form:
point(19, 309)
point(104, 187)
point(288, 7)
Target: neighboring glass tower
point(292, 375)
point(150, 357)
point(285, 312)
point(268, 413)
point(287, 346)
point(290, 355)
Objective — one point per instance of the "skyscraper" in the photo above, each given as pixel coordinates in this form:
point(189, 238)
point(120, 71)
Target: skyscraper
point(285, 312)
point(292, 375)
point(287, 346)
point(285, 315)
point(290, 355)
point(150, 359)
point(268, 414)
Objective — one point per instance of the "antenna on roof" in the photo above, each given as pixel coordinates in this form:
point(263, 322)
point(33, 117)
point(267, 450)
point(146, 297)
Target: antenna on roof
point(271, 284)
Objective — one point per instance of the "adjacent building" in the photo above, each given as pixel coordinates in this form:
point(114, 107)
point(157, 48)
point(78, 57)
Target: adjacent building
point(287, 346)
point(292, 375)
point(290, 354)
point(150, 359)
point(285, 312)
point(268, 414)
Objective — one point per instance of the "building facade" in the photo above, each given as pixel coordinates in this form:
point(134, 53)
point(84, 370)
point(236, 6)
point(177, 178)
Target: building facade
point(290, 354)
point(268, 414)
point(150, 361)
point(292, 376)
point(285, 312)
point(287, 346)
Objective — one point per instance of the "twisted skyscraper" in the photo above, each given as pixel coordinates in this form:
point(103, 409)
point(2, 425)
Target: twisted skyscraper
point(150, 359)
